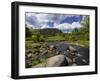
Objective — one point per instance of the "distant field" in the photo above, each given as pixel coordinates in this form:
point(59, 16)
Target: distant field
point(60, 38)
point(55, 38)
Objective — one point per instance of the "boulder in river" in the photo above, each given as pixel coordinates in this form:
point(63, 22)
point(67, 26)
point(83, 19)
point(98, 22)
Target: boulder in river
point(58, 60)
point(72, 49)
point(55, 61)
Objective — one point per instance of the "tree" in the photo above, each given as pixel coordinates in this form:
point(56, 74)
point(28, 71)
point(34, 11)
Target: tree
point(83, 32)
point(28, 33)
point(86, 22)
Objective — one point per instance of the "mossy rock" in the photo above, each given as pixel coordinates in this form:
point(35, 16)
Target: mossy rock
point(36, 45)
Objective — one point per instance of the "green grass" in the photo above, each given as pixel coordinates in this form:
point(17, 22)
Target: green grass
point(29, 42)
point(55, 38)
point(83, 43)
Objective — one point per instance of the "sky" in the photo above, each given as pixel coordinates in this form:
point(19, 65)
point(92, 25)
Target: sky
point(64, 22)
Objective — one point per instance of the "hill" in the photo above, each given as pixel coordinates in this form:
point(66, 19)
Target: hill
point(49, 31)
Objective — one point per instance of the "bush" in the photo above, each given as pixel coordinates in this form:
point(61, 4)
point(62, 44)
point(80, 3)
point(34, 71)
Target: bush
point(35, 38)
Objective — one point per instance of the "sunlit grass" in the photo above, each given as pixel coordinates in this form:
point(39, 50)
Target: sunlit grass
point(56, 38)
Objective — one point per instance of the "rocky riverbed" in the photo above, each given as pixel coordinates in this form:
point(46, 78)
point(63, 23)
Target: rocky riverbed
point(54, 54)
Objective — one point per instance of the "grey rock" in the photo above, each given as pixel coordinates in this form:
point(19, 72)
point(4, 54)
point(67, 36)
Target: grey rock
point(36, 45)
point(74, 64)
point(55, 61)
point(69, 60)
point(52, 47)
point(83, 60)
point(58, 60)
point(29, 55)
point(72, 49)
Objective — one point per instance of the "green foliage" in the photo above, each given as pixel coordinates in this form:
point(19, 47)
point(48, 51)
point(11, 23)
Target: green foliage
point(37, 61)
point(86, 22)
point(34, 35)
point(28, 32)
point(49, 32)
point(83, 42)
point(80, 36)
point(38, 38)
point(28, 46)
point(35, 38)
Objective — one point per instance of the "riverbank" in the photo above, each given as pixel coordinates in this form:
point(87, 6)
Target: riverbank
point(37, 53)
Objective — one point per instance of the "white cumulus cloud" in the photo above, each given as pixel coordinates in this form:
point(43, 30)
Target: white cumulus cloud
point(67, 26)
point(47, 20)
point(63, 26)
point(76, 25)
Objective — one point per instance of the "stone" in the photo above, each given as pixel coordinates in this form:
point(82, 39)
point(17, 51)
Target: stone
point(55, 61)
point(52, 47)
point(74, 64)
point(78, 55)
point(57, 52)
point(72, 49)
point(58, 60)
point(29, 55)
point(36, 45)
point(83, 60)
point(69, 60)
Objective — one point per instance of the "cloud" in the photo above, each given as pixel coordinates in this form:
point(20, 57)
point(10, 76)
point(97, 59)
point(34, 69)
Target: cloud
point(30, 20)
point(45, 20)
point(37, 19)
point(40, 19)
point(76, 25)
point(45, 26)
point(66, 27)
point(29, 25)
point(63, 26)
